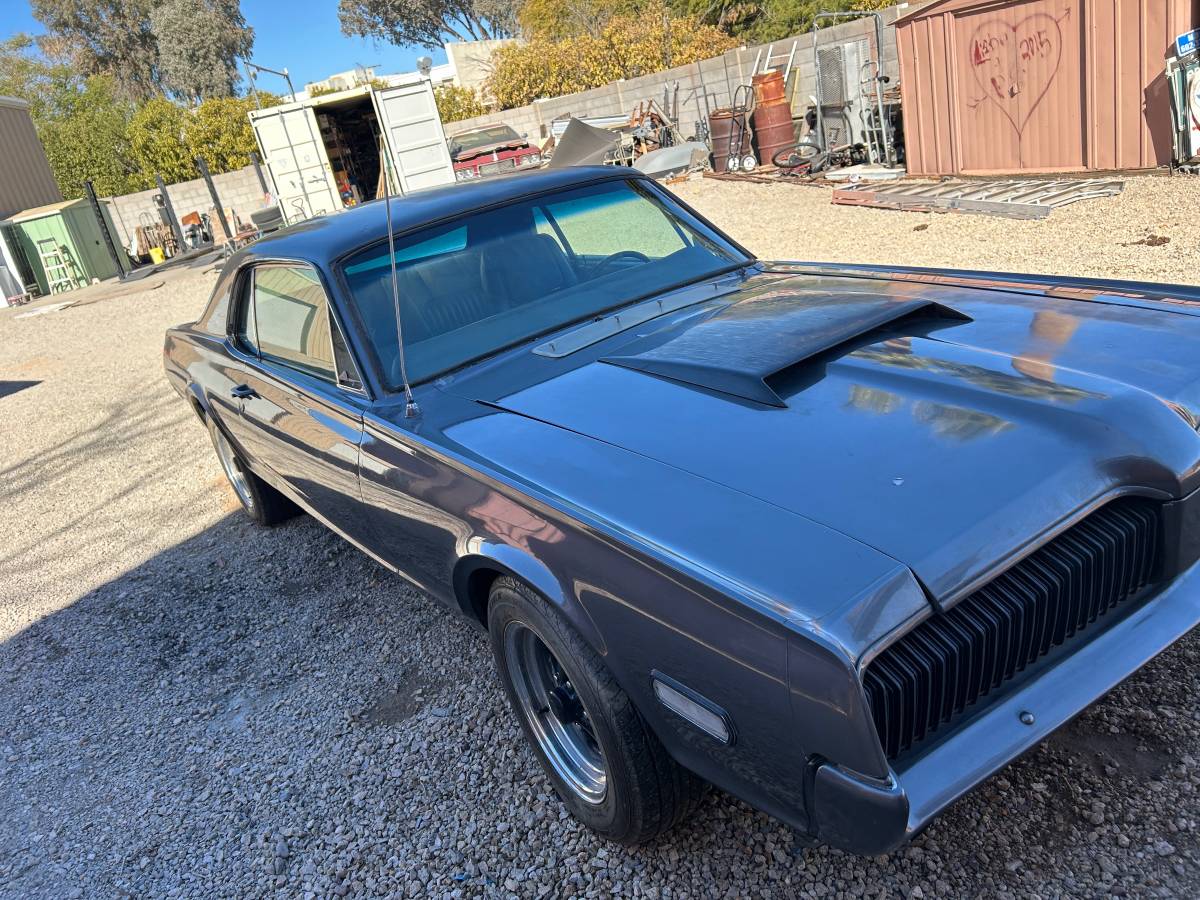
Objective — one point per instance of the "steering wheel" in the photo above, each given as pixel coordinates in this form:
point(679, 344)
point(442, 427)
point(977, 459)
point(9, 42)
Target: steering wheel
point(616, 257)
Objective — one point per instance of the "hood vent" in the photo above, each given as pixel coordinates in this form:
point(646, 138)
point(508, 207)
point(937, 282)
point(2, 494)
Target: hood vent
point(739, 350)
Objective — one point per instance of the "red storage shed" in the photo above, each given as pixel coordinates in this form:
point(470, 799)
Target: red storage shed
point(1003, 86)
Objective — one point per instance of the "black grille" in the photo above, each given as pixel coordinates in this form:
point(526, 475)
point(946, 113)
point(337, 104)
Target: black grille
point(945, 664)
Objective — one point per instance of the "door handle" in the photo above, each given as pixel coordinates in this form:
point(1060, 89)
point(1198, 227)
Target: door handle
point(243, 392)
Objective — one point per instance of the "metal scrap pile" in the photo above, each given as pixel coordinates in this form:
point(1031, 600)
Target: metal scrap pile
point(646, 139)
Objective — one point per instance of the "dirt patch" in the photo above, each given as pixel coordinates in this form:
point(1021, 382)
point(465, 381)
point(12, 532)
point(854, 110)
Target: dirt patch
point(1150, 240)
point(1112, 755)
point(409, 695)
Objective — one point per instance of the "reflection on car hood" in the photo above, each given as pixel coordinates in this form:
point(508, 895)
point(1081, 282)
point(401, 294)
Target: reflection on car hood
point(947, 438)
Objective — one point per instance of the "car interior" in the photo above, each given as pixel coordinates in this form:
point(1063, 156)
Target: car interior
point(508, 273)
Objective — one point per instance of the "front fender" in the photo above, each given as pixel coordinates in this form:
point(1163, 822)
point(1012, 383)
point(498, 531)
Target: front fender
point(489, 557)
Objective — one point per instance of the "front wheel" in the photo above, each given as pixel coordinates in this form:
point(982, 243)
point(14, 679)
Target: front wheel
point(802, 158)
point(607, 766)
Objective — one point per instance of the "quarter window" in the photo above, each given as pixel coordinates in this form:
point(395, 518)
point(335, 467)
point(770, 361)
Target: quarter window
point(287, 319)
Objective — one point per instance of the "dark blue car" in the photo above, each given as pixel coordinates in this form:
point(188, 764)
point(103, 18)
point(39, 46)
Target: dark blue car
point(841, 541)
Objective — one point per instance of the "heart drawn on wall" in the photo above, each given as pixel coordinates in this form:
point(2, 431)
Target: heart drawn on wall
point(1016, 64)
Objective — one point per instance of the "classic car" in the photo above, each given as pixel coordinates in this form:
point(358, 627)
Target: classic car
point(494, 150)
point(840, 540)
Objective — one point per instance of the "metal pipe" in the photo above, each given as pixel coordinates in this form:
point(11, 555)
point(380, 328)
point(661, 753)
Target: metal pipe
point(98, 212)
point(169, 209)
point(282, 74)
point(253, 86)
point(256, 162)
point(212, 192)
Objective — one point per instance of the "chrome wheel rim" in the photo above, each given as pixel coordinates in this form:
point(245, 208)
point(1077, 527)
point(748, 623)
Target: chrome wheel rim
point(556, 715)
point(233, 469)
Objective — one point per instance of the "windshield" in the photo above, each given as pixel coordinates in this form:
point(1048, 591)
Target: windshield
point(485, 137)
point(496, 278)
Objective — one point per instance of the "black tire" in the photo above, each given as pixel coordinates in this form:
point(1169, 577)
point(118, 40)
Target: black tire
point(646, 791)
point(797, 156)
point(262, 503)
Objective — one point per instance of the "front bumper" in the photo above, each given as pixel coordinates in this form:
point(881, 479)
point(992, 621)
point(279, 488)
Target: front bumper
point(873, 817)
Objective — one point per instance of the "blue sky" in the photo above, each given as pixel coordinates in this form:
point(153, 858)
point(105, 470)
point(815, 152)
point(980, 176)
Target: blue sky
point(303, 37)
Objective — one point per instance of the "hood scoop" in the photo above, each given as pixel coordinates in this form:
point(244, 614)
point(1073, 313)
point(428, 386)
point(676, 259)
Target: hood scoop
point(743, 347)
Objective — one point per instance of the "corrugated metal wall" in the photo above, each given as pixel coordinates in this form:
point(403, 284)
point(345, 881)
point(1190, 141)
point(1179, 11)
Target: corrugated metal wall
point(25, 177)
point(1037, 85)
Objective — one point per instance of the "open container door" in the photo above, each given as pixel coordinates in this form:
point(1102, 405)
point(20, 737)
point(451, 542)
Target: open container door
point(412, 131)
point(291, 147)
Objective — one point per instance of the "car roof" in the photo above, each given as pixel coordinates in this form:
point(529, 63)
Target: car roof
point(325, 238)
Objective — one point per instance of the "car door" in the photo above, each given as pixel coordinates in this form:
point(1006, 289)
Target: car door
point(299, 408)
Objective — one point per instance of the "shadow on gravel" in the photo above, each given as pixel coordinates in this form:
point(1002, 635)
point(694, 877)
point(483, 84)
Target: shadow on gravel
point(106, 442)
point(267, 712)
point(11, 387)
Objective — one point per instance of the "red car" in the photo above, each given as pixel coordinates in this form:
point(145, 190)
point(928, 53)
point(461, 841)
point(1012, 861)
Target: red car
point(490, 151)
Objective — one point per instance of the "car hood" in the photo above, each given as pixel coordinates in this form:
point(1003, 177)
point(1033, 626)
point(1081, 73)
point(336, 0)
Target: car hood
point(498, 147)
point(948, 426)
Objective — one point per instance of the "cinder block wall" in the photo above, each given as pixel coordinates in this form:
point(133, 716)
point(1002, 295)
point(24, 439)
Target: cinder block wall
point(715, 79)
point(239, 189)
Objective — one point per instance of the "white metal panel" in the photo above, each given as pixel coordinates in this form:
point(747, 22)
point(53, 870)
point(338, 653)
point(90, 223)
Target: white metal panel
point(291, 146)
point(412, 128)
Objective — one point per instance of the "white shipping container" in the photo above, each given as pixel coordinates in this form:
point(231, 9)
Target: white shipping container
point(304, 146)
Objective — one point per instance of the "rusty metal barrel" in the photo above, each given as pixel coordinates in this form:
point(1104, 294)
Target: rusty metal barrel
point(768, 88)
point(773, 130)
point(772, 119)
point(722, 124)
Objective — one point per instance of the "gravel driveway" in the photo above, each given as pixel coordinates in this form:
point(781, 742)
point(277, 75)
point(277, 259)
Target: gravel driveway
point(194, 706)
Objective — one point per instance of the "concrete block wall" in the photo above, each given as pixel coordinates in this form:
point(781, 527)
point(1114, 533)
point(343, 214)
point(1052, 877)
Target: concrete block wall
point(238, 189)
point(714, 79)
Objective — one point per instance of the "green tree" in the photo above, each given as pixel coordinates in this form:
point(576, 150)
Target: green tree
point(769, 20)
point(558, 20)
point(455, 103)
point(187, 47)
point(199, 45)
point(87, 138)
point(630, 45)
point(156, 142)
point(24, 73)
point(82, 122)
point(104, 37)
point(219, 130)
point(427, 23)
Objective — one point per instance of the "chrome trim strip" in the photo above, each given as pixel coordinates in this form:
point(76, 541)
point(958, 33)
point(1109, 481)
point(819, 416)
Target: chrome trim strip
point(598, 329)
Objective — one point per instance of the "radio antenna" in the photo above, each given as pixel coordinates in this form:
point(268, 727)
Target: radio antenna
point(411, 410)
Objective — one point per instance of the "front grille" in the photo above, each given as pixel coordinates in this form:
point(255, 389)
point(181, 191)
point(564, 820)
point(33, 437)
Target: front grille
point(501, 166)
point(938, 670)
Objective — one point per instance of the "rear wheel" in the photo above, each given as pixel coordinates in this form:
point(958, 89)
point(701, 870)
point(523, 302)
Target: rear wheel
point(607, 766)
point(262, 503)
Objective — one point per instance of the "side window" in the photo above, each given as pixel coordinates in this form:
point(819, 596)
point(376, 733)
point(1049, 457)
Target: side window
point(286, 319)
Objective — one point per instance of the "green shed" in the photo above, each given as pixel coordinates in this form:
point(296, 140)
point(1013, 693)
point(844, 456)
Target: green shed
point(64, 244)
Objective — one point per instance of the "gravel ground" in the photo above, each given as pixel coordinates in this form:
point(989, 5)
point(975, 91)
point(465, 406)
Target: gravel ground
point(1109, 237)
point(193, 706)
